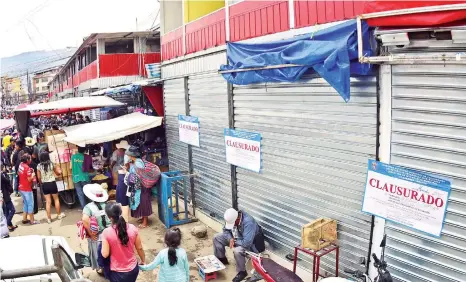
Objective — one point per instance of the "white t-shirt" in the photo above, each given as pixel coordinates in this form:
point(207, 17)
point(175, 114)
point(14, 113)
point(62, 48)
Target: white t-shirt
point(46, 176)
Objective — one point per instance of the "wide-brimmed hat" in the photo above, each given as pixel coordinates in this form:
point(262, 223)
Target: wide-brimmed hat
point(95, 193)
point(133, 151)
point(29, 141)
point(122, 145)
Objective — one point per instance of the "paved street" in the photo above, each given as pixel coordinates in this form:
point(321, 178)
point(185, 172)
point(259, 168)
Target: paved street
point(152, 240)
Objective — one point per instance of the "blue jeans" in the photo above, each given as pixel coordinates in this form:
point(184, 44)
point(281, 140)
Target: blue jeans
point(28, 202)
point(78, 186)
point(9, 212)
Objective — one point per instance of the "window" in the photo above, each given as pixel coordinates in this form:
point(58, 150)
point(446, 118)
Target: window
point(45, 80)
point(44, 88)
point(37, 81)
point(37, 89)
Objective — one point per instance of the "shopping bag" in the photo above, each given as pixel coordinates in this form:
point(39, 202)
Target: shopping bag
point(4, 232)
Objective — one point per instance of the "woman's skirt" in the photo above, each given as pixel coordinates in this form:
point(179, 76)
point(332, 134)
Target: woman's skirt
point(121, 190)
point(145, 206)
point(93, 247)
point(125, 276)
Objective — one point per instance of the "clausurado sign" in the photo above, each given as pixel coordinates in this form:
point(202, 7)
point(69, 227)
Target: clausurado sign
point(243, 149)
point(189, 130)
point(406, 196)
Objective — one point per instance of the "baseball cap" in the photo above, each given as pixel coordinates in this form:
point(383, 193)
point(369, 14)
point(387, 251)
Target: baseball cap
point(230, 218)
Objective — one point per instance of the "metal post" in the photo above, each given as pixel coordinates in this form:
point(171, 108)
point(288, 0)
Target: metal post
point(31, 271)
point(190, 149)
point(231, 124)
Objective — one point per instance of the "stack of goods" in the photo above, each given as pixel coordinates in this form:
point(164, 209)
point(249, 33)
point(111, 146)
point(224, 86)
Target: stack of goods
point(153, 70)
point(60, 154)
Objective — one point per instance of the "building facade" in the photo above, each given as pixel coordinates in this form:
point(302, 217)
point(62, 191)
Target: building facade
point(40, 83)
point(104, 60)
point(315, 147)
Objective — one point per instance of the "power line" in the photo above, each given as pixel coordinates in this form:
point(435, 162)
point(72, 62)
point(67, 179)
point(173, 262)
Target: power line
point(40, 59)
point(156, 16)
point(29, 14)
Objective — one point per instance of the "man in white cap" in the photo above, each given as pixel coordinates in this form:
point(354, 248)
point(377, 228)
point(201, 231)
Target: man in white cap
point(241, 232)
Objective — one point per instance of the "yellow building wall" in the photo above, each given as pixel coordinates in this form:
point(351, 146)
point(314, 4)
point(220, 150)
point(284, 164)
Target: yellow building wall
point(194, 9)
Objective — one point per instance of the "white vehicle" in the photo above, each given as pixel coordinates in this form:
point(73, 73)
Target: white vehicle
point(39, 258)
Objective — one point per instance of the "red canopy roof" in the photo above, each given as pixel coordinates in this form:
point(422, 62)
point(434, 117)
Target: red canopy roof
point(418, 19)
point(59, 112)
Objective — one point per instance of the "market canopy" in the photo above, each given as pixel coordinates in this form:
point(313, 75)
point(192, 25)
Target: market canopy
point(109, 130)
point(6, 123)
point(331, 52)
point(76, 103)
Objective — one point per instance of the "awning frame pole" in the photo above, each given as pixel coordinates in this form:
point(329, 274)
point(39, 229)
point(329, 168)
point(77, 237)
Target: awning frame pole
point(403, 59)
point(262, 68)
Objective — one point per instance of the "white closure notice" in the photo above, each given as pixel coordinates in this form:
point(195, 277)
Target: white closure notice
point(189, 130)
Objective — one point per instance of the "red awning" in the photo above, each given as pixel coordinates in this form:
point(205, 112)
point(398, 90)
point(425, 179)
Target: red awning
point(419, 19)
point(59, 112)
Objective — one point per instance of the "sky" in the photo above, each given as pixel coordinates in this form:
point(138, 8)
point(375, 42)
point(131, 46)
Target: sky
point(29, 25)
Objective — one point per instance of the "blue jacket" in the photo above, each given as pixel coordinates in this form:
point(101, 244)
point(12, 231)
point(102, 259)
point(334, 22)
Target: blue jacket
point(249, 233)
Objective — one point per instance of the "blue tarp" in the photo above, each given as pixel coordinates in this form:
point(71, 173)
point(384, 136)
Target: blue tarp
point(331, 52)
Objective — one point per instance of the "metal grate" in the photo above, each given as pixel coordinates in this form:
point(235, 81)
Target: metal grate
point(314, 152)
point(208, 100)
point(429, 134)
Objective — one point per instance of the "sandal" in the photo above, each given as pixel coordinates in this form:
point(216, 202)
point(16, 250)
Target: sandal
point(26, 221)
point(35, 222)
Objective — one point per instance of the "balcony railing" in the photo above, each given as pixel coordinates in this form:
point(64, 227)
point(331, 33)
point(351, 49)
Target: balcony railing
point(252, 18)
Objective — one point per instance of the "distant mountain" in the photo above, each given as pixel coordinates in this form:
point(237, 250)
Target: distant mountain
point(34, 61)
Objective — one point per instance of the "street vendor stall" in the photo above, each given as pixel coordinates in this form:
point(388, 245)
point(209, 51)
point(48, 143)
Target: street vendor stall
point(61, 150)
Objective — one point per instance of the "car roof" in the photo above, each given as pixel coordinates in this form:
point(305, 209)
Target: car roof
point(29, 251)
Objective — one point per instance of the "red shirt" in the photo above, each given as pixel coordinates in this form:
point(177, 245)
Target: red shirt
point(122, 258)
point(24, 172)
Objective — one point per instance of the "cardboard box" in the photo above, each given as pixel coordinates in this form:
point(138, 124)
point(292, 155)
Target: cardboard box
point(65, 169)
point(47, 133)
point(56, 142)
point(65, 183)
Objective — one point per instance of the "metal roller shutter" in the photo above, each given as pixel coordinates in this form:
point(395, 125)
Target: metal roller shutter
point(315, 151)
point(208, 100)
point(174, 103)
point(429, 133)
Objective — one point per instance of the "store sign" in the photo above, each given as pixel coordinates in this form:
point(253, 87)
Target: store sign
point(406, 196)
point(243, 149)
point(189, 130)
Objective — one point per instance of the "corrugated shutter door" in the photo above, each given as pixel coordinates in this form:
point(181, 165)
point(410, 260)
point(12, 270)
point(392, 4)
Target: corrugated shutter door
point(208, 100)
point(429, 133)
point(315, 151)
point(174, 103)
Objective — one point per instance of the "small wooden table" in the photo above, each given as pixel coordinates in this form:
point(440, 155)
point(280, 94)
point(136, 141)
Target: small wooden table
point(208, 267)
point(316, 258)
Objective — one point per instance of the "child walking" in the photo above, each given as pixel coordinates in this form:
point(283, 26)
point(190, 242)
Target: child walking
point(173, 261)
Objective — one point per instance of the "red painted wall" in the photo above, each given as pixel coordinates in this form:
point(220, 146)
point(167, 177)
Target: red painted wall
point(251, 18)
point(155, 96)
point(171, 44)
point(87, 73)
point(206, 32)
point(311, 12)
point(125, 64)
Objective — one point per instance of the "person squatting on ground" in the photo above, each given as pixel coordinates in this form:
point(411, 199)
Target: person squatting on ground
point(173, 260)
point(119, 242)
point(240, 233)
point(46, 172)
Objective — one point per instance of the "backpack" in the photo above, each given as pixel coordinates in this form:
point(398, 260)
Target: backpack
point(93, 224)
point(149, 175)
